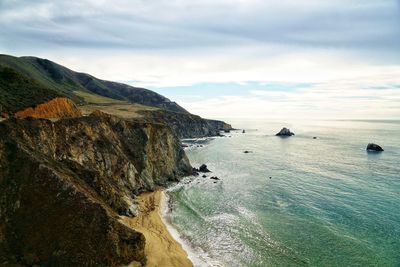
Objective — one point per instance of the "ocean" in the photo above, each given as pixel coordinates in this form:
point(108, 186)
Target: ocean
point(294, 201)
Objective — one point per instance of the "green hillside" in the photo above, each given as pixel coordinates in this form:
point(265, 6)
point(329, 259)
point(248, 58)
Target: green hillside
point(18, 91)
point(67, 82)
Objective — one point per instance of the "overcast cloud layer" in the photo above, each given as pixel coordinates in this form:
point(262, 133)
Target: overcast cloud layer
point(347, 52)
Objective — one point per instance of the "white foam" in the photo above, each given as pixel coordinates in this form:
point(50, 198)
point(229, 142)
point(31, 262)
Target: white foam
point(198, 257)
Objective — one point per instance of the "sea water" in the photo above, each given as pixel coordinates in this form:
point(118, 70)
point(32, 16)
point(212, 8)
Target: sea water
point(294, 201)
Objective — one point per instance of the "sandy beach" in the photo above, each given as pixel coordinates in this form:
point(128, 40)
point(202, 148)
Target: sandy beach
point(161, 248)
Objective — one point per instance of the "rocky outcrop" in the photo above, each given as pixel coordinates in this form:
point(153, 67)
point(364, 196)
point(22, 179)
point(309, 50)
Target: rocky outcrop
point(64, 184)
point(60, 107)
point(374, 147)
point(285, 132)
point(186, 125)
point(203, 168)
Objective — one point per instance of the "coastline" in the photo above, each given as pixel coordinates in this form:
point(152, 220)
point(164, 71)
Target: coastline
point(161, 248)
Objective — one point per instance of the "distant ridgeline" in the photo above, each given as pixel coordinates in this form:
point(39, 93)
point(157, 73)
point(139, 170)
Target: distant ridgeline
point(27, 82)
point(47, 79)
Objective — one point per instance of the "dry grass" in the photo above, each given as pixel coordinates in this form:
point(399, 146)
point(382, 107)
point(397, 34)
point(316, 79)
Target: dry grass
point(123, 110)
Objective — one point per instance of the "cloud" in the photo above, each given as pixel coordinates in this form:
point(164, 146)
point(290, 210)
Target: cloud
point(160, 24)
point(340, 47)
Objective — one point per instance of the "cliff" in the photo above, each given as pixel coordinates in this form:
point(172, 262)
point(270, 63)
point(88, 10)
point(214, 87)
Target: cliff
point(186, 125)
point(59, 107)
point(65, 184)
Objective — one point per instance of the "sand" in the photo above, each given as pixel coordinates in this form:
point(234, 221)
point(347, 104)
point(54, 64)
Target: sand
point(161, 248)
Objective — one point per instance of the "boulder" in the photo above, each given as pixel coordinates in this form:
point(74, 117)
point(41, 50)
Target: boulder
point(203, 168)
point(247, 151)
point(374, 147)
point(285, 132)
point(214, 178)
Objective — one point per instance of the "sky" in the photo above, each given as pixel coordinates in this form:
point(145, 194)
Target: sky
point(305, 59)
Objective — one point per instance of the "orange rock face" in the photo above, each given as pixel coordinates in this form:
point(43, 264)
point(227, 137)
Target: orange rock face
point(59, 107)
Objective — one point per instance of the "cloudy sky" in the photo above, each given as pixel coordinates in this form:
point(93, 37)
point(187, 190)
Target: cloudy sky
point(329, 59)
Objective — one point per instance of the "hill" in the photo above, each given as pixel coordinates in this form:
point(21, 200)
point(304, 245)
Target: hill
point(67, 82)
point(18, 91)
point(29, 82)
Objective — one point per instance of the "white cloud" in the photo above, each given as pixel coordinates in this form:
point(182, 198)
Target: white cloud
point(342, 46)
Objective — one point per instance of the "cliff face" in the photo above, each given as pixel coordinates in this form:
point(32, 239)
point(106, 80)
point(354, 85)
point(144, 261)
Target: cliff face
point(63, 186)
point(59, 107)
point(186, 125)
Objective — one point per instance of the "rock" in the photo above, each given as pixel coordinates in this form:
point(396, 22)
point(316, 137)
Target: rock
point(247, 151)
point(204, 176)
point(374, 148)
point(186, 125)
point(66, 184)
point(214, 178)
point(244, 131)
point(314, 137)
point(227, 131)
point(59, 107)
point(203, 168)
point(285, 132)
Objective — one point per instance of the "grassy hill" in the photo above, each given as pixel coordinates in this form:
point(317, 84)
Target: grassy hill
point(29, 81)
point(67, 82)
point(18, 91)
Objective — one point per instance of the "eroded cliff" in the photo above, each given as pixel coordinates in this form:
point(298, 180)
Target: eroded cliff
point(59, 107)
point(64, 184)
point(186, 125)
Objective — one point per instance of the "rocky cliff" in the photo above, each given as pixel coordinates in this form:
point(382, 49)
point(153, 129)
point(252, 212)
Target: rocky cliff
point(59, 107)
point(64, 184)
point(186, 125)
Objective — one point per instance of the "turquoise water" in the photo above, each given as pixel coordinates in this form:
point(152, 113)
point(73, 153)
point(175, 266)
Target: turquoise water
point(328, 202)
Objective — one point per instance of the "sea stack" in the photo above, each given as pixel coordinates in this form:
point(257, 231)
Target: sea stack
point(285, 132)
point(203, 168)
point(374, 148)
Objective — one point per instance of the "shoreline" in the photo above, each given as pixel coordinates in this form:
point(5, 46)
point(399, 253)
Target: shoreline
point(161, 249)
point(197, 257)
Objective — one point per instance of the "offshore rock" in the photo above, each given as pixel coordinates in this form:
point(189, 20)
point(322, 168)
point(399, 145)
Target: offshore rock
point(285, 132)
point(64, 184)
point(374, 147)
point(203, 168)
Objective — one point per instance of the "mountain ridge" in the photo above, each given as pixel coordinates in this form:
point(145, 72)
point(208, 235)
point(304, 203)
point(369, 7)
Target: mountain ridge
point(65, 81)
point(47, 80)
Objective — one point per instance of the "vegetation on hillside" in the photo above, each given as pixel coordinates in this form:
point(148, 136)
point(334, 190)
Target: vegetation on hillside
point(18, 91)
point(67, 82)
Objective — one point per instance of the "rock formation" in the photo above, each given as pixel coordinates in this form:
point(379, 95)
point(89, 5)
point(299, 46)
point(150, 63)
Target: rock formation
point(374, 147)
point(203, 168)
point(187, 125)
point(59, 107)
point(64, 184)
point(285, 132)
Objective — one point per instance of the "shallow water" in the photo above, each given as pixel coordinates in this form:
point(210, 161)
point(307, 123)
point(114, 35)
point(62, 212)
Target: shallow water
point(328, 202)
